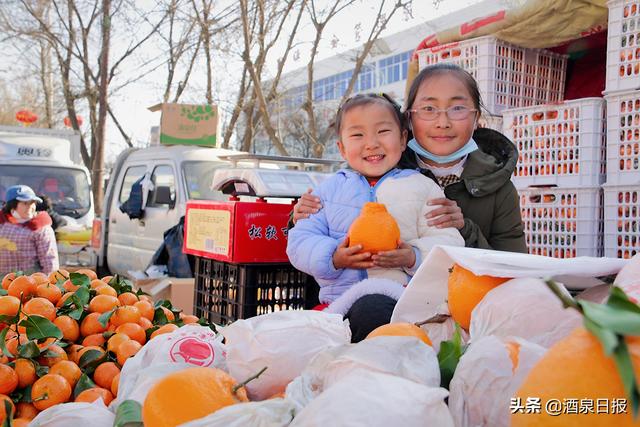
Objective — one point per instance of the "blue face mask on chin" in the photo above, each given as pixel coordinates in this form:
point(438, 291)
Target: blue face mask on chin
point(469, 147)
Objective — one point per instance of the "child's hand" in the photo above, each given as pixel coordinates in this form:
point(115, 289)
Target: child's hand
point(404, 256)
point(345, 257)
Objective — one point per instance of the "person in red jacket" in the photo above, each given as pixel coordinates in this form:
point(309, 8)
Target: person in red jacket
point(27, 241)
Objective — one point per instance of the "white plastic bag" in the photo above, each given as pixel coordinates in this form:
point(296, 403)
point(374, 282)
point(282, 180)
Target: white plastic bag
point(268, 413)
point(486, 379)
point(629, 279)
point(372, 399)
point(404, 357)
point(523, 308)
point(427, 290)
point(284, 342)
point(188, 346)
point(444, 331)
point(93, 414)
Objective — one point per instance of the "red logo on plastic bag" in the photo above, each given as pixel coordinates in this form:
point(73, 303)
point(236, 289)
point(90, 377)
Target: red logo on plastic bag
point(193, 351)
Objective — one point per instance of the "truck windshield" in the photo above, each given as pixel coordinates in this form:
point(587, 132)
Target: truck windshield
point(199, 176)
point(67, 188)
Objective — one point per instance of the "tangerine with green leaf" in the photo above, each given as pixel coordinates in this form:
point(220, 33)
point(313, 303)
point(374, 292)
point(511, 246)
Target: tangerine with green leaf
point(50, 390)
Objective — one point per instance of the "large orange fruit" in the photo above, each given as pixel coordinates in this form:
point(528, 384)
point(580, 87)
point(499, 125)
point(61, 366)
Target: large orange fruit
point(90, 395)
point(375, 229)
point(9, 379)
point(125, 314)
point(400, 330)
point(50, 390)
point(49, 291)
point(26, 371)
point(9, 305)
point(104, 374)
point(89, 273)
point(67, 369)
point(23, 287)
point(188, 395)
point(466, 290)
point(26, 411)
point(69, 327)
point(6, 281)
point(577, 368)
point(40, 306)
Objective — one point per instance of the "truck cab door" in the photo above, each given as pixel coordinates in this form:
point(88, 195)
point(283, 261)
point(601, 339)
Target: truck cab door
point(161, 211)
point(122, 252)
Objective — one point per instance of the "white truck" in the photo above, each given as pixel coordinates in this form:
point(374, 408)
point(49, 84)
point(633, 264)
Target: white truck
point(48, 160)
point(179, 173)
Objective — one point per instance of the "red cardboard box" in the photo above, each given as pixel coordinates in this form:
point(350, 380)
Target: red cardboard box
point(237, 232)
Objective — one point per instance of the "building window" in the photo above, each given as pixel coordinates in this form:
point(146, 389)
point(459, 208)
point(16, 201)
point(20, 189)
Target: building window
point(332, 87)
point(393, 68)
point(365, 78)
point(388, 70)
point(294, 97)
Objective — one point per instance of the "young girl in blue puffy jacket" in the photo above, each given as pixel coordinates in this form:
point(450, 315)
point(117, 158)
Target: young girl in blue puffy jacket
point(371, 138)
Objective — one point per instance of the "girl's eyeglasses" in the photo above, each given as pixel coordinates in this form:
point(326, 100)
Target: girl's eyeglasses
point(457, 112)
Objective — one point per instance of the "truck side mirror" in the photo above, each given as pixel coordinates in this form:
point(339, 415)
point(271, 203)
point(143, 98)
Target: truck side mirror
point(163, 196)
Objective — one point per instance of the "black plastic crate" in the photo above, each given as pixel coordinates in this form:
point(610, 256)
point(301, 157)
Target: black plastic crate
point(225, 292)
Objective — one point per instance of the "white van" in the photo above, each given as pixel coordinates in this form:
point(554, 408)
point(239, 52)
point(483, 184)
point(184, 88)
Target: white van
point(177, 174)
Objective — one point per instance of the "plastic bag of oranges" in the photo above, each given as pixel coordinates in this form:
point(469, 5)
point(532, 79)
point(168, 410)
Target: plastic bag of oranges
point(190, 345)
point(629, 279)
point(488, 374)
point(268, 413)
point(366, 398)
point(404, 357)
point(284, 342)
point(94, 414)
point(524, 308)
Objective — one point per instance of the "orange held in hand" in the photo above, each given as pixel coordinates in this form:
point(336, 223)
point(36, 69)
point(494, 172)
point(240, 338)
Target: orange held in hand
point(188, 395)
point(466, 290)
point(375, 229)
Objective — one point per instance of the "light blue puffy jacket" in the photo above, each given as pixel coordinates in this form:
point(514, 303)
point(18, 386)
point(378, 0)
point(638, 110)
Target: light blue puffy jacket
point(312, 242)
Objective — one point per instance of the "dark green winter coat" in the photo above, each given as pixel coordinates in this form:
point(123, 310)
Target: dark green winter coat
point(486, 195)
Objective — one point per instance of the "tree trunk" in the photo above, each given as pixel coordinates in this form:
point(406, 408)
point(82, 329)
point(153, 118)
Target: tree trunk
point(98, 161)
point(206, 37)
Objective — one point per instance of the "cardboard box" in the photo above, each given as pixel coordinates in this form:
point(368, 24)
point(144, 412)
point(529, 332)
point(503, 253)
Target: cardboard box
point(187, 124)
point(178, 291)
point(237, 232)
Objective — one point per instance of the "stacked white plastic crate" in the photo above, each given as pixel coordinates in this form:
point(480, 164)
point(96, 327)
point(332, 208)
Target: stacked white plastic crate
point(508, 76)
point(622, 94)
point(560, 170)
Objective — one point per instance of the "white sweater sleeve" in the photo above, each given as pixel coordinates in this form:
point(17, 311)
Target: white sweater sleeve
point(406, 199)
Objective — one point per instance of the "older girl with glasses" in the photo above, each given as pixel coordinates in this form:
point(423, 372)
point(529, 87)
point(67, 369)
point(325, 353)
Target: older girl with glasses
point(372, 136)
point(472, 165)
